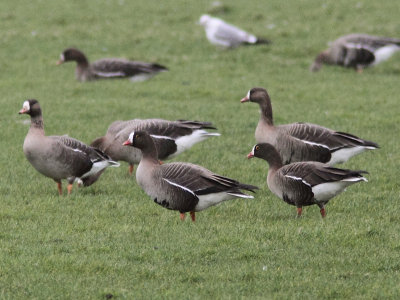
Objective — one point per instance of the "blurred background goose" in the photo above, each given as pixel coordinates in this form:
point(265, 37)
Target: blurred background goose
point(170, 137)
point(225, 35)
point(304, 183)
point(357, 51)
point(61, 157)
point(181, 186)
point(304, 141)
point(109, 68)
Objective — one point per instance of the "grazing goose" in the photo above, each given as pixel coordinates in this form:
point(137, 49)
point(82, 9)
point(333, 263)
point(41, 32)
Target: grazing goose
point(304, 141)
point(222, 34)
point(61, 157)
point(109, 67)
point(304, 183)
point(171, 138)
point(181, 186)
point(357, 51)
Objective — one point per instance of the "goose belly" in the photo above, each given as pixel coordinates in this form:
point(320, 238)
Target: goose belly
point(206, 201)
point(345, 154)
point(325, 191)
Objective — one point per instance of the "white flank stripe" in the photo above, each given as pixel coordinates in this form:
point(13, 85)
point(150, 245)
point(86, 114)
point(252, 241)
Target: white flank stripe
point(161, 137)
point(77, 150)
point(355, 179)
point(299, 179)
point(180, 186)
point(110, 74)
point(241, 195)
point(312, 143)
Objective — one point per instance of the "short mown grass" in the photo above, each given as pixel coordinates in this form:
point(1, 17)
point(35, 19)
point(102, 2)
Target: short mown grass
point(111, 240)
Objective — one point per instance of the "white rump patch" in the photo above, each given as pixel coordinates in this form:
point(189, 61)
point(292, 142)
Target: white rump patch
point(141, 77)
point(325, 191)
point(97, 167)
point(186, 142)
point(385, 53)
point(299, 179)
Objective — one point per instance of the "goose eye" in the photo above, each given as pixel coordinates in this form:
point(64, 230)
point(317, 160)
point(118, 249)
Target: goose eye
point(257, 147)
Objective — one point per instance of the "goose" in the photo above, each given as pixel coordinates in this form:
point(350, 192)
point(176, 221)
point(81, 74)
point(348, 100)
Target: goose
point(181, 186)
point(304, 141)
point(171, 138)
point(304, 183)
point(225, 35)
point(109, 67)
point(357, 51)
point(61, 157)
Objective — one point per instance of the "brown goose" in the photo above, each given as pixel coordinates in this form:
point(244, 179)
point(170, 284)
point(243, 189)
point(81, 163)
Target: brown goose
point(304, 141)
point(171, 138)
point(357, 51)
point(226, 35)
point(109, 67)
point(61, 157)
point(304, 183)
point(181, 186)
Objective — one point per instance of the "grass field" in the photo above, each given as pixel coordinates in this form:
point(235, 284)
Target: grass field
point(111, 240)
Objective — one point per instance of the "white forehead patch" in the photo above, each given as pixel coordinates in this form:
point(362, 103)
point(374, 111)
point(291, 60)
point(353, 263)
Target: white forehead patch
point(131, 137)
point(62, 58)
point(248, 95)
point(252, 150)
point(26, 106)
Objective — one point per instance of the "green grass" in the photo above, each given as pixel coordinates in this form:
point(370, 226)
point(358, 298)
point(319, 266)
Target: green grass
point(111, 238)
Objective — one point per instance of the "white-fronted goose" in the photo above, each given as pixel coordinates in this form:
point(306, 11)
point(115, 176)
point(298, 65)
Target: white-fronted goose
point(222, 34)
point(181, 186)
point(304, 141)
point(109, 67)
point(171, 138)
point(61, 157)
point(304, 183)
point(357, 51)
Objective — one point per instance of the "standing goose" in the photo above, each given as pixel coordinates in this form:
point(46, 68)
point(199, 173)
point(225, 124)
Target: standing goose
point(222, 34)
point(304, 183)
point(181, 186)
point(171, 138)
point(304, 141)
point(357, 51)
point(61, 157)
point(109, 67)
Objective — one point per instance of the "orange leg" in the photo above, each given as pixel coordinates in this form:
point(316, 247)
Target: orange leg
point(323, 212)
point(299, 211)
point(160, 162)
point(69, 188)
point(59, 187)
point(182, 216)
point(193, 215)
point(131, 169)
